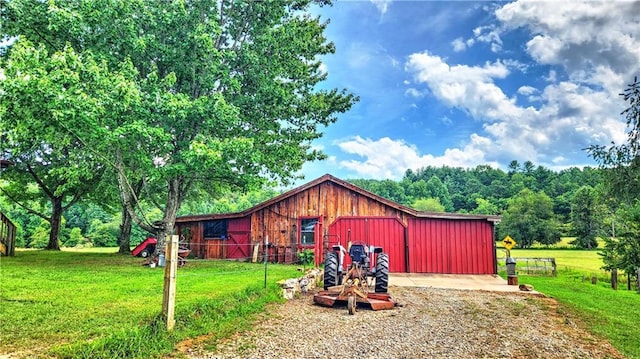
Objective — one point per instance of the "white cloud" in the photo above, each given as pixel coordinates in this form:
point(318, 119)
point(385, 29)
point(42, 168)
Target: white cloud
point(388, 158)
point(527, 90)
point(413, 92)
point(470, 88)
point(584, 40)
point(458, 45)
point(582, 37)
point(382, 5)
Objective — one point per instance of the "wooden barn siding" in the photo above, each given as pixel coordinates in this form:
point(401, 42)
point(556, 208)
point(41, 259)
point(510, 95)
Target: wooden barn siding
point(201, 248)
point(326, 200)
point(451, 246)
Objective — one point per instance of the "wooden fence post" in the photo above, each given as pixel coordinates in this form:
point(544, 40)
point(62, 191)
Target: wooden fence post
point(169, 292)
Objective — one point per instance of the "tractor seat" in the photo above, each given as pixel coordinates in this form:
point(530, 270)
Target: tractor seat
point(357, 252)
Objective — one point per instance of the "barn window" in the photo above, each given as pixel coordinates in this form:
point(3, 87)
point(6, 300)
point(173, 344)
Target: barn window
point(215, 229)
point(307, 231)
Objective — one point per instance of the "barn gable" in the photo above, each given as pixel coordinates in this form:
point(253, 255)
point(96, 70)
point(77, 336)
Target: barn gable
point(328, 211)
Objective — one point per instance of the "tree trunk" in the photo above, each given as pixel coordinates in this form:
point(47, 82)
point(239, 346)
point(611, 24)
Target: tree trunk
point(174, 200)
point(125, 232)
point(614, 279)
point(56, 220)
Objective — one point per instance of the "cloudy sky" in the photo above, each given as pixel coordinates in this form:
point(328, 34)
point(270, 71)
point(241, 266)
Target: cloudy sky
point(468, 83)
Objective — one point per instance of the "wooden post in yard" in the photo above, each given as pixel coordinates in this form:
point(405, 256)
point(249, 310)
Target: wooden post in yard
point(169, 292)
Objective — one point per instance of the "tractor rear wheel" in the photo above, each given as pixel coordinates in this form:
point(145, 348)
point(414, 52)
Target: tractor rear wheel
point(382, 273)
point(330, 270)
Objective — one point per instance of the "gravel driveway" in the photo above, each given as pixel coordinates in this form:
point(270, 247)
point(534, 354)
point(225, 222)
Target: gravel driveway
point(431, 323)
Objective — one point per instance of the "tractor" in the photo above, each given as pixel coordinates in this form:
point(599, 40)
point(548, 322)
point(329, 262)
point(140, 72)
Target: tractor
point(359, 283)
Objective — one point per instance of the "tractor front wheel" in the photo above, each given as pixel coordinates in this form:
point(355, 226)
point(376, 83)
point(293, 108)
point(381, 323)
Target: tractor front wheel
point(382, 273)
point(330, 270)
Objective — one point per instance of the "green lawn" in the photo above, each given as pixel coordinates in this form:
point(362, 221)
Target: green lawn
point(606, 312)
point(100, 304)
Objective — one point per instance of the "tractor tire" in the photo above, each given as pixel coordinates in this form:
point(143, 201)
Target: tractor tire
point(145, 253)
point(330, 270)
point(382, 273)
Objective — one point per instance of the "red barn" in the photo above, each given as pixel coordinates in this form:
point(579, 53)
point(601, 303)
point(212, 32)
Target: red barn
point(327, 211)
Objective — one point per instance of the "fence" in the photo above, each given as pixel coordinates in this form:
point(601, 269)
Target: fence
point(542, 266)
point(7, 236)
point(253, 252)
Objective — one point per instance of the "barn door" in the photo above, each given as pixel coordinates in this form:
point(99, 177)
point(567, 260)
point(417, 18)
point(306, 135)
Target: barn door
point(238, 243)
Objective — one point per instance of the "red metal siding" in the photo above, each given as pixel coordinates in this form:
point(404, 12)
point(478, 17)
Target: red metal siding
point(385, 232)
point(451, 246)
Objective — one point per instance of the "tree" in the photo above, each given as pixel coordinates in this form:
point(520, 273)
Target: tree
point(436, 189)
point(428, 205)
point(621, 165)
point(48, 97)
point(623, 251)
point(529, 218)
point(586, 217)
point(230, 91)
point(485, 207)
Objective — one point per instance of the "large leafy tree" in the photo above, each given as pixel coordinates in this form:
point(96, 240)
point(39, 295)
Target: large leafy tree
point(529, 219)
point(621, 164)
point(231, 93)
point(48, 96)
point(587, 217)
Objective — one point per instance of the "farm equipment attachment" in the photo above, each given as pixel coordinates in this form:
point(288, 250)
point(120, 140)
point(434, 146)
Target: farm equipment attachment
point(360, 284)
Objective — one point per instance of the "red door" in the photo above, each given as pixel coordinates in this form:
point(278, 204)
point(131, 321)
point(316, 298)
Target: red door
point(238, 243)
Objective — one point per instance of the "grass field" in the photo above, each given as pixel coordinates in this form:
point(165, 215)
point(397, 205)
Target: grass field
point(611, 314)
point(102, 305)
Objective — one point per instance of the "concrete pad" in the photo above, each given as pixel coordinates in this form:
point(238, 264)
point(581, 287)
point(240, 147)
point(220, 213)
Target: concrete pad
point(486, 282)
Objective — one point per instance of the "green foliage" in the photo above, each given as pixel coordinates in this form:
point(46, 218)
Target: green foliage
point(40, 236)
point(103, 234)
point(50, 99)
point(623, 251)
point(622, 182)
point(530, 219)
point(202, 95)
point(306, 257)
point(428, 205)
point(436, 189)
point(75, 238)
point(586, 215)
point(485, 207)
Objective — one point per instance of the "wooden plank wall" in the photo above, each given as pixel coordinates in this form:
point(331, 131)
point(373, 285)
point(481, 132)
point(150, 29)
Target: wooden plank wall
point(326, 200)
point(7, 235)
point(192, 232)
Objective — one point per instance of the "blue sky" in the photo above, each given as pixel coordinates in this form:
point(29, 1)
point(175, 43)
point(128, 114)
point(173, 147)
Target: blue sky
point(468, 83)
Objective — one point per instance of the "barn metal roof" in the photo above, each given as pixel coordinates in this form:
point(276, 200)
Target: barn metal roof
point(347, 185)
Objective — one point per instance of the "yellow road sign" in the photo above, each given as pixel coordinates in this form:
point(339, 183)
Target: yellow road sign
point(508, 242)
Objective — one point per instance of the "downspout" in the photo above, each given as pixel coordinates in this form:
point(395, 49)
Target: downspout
point(407, 267)
point(495, 257)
